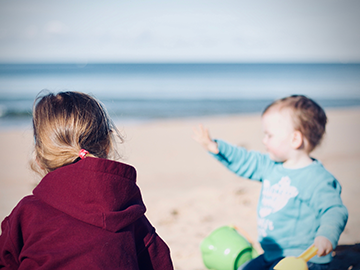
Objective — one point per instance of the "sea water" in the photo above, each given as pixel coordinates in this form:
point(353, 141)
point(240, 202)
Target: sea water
point(142, 92)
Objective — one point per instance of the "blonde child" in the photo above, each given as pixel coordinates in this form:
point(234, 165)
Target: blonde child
point(300, 202)
point(87, 211)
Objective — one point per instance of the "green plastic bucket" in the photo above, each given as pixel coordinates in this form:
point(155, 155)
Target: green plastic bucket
point(226, 249)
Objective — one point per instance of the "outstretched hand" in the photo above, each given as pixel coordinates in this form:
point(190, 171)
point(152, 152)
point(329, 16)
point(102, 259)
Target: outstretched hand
point(324, 245)
point(202, 136)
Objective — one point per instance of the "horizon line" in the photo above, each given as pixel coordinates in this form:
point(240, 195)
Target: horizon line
point(79, 63)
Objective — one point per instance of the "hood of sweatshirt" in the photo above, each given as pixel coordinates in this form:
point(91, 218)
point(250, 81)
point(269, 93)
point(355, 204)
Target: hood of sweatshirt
point(97, 191)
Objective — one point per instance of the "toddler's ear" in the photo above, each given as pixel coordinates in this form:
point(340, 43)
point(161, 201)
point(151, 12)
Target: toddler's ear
point(297, 140)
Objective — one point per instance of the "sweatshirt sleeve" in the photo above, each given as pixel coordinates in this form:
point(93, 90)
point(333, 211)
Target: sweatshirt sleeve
point(8, 250)
point(156, 256)
point(247, 164)
point(153, 253)
point(333, 213)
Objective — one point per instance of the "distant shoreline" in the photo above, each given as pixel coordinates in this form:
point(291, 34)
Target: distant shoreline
point(24, 123)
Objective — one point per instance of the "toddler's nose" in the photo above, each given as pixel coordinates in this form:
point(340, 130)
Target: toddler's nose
point(264, 140)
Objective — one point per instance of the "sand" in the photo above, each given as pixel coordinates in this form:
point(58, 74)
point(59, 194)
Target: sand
point(188, 194)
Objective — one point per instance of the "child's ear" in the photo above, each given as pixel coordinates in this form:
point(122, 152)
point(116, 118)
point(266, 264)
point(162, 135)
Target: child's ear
point(39, 164)
point(297, 140)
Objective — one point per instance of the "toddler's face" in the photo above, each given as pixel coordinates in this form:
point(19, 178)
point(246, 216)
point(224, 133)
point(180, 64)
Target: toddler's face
point(278, 133)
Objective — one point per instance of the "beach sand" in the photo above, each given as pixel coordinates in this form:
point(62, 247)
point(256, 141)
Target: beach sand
point(188, 194)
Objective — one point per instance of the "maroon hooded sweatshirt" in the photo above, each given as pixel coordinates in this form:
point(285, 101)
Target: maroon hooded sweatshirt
point(87, 215)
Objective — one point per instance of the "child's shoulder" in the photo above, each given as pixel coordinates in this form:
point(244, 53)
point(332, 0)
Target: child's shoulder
point(27, 206)
point(317, 169)
point(318, 179)
point(28, 201)
point(309, 177)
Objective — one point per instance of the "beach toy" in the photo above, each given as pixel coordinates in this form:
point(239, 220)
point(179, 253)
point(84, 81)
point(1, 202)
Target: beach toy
point(297, 263)
point(226, 249)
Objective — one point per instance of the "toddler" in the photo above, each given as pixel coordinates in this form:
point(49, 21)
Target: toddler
point(300, 203)
point(87, 211)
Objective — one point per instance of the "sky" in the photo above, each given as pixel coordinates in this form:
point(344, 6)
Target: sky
point(115, 31)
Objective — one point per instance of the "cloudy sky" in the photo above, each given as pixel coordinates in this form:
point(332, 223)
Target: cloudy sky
point(179, 31)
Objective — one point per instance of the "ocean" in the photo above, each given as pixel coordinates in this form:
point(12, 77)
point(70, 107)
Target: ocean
point(143, 92)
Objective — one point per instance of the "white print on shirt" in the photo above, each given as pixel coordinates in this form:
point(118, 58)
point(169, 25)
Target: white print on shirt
point(275, 197)
point(264, 225)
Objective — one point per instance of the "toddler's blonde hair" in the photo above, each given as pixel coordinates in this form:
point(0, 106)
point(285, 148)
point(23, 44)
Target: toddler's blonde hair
point(65, 123)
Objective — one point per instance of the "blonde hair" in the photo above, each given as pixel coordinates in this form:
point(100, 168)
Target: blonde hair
point(67, 122)
point(308, 117)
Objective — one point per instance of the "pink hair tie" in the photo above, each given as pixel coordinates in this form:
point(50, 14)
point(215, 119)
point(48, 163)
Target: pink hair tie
point(83, 153)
